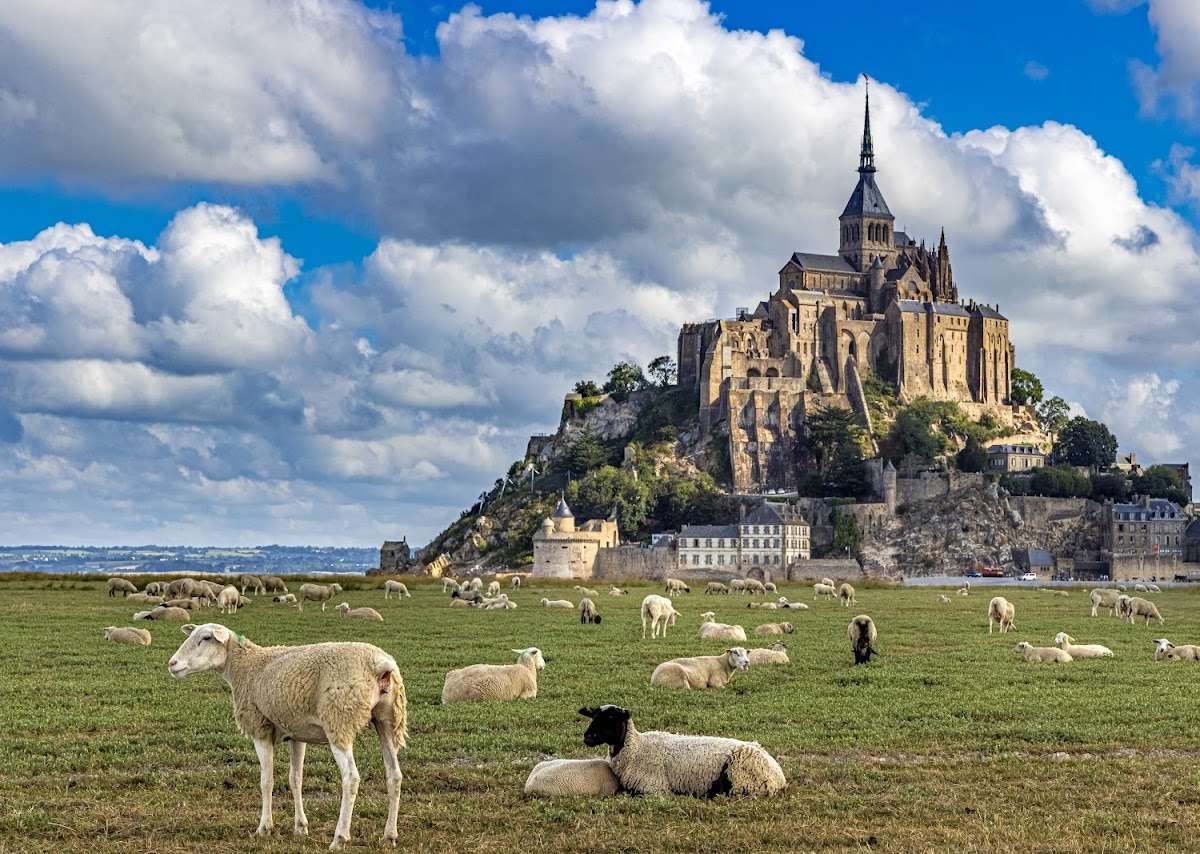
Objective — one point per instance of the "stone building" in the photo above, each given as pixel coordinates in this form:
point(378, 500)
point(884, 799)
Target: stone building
point(1191, 541)
point(561, 549)
point(707, 546)
point(884, 304)
point(395, 556)
point(1148, 527)
point(768, 540)
point(1015, 458)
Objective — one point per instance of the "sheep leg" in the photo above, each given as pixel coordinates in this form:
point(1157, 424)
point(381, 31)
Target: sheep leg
point(391, 767)
point(344, 756)
point(265, 748)
point(296, 782)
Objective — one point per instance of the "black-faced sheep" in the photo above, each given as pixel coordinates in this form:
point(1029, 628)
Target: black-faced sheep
point(863, 635)
point(588, 612)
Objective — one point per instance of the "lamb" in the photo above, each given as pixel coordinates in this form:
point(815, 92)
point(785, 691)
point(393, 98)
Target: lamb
point(116, 634)
point(846, 594)
point(318, 693)
point(120, 585)
point(657, 609)
point(701, 671)
point(1002, 611)
point(829, 582)
point(1065, 642)
point(862, 635)
point(161, 613)
point(1165, 649)
point(737, 585)
point(274, 584)
point(674, 585)
point(317, 593)
point(798, 606)
point(572, 778)
point(285, 599)
point(715, 587)
point(493, 589)
point(963, 591)
point(753, 585)
point(360, 613)
point(449, 584)
point(710, 629)
point(775, 629)
point(230, 599)
point(1043, 654)
point(769, 606)
point(558, 603)
point(1139, 607)
point(943, 600)
point(398, 587)
point(588, 612)
point(822, 589)
point(495, 681)
point(776, 653)
point(662, 763)
point(252, 582)
point(617, 591)
point(515, 584)
point(500, 603)
point(770, 587)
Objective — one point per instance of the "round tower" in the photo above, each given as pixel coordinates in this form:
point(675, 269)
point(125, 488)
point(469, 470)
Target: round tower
point(876, 277)
point(564, 519)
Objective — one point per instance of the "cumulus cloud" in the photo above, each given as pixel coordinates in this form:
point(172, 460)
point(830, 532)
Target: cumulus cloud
point(1174, 83)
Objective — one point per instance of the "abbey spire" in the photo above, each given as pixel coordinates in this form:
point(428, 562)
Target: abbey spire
point(866, 224)
point(866, 157)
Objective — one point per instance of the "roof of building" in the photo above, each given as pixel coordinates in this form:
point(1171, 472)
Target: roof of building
point(562, 511)
point(944, 308)
point(989, 312)
point(770, 513)
point(1014, 449)
point(1157, 505)
point(728, 531)
point(902, 239)
point(1038, 557)
point(867, 200)
point(1192, 531)
point(829, 263)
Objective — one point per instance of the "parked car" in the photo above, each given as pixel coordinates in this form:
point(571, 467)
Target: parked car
point(974, 573)
point(991, 572)
point(1029, 576)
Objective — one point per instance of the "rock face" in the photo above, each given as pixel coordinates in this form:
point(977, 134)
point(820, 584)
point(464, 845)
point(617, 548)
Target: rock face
point(608, 421)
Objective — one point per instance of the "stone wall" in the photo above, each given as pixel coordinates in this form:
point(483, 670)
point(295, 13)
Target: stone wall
point(929, 485)
point(635, 561)
point(1145, 567)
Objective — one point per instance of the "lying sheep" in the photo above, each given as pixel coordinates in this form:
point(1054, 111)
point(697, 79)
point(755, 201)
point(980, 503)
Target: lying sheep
point(658, 610)
point(943, 600)
point(586, 591)
point(863, 635)
point(144, 597)
point(495, 681)
point(138, 637)
point(674, 585)
point(846, 594)
point(710, 629)
point(274, 584)
point(161, 613)
point(493, 589)
point(398, 587)
point(1042, 654)
point(360, 613)
point(558, 603)
point(775, 629)
point(121, 586)
point(617, 591)
point(251, 582)
point(461, 603)
point(822, 589)
point(500, 603)
point(572, 778)
point(797, 606)
point(317, 593)
point(701, 671)
point(963, 591)
point(662, 763)
point(189, 604)
point(715, 587)
point(1136, 607)
point(230, 599)
point(587, 611)
point(1065, 642)
point(776, 653)
point(1001, 611)
point(466, 594)
point(1163, 648)
point(324, 693)
point(285, 599)
point(768, 606)
point(1104, 597)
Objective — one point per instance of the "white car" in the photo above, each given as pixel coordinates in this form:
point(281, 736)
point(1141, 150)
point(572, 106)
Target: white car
point(1029, 576)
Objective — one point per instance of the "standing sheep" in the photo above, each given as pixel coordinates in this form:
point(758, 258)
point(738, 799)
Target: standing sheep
point(1136, 607)
point(862, 635)
point(657, 609)
point(1104, 597)
point(449, 584)
point(230, 599)
point(120, 585)
point(737, 585)
point(710, 629)
point(753, 585)
point(320, 693)
point(116, 634)
point(398, 587)
point(493, 589)
point(156, 588)
point(674, 585)
point(495, 681)
point(182, 587)
point(829, 582)
point(1042, 654)
point(360, 613)
point(963, 591)
point(770, 587)
point(846, 594)
point(822, 589)
point(715, 587)
point(588, 612)
point(475, 584)
point(515, 584)
point(274, 584)
point(1001, 611)
point(317, 593)
point(701, 671)
point(251, 582)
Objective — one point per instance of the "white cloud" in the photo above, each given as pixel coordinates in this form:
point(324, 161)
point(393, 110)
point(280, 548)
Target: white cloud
point(1175, 82)
point(1035, 70)
point(1145, 407)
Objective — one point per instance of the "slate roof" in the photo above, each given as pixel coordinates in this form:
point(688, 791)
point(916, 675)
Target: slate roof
point(562, 511)
point(1165, 508)
point(867, 200)
point(769, 513)
point(988, 311)
point(726, 531)
point(831, 263)
point(945, 308)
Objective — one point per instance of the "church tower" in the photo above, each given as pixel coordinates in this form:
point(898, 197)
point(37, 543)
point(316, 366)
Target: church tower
point(867, 226)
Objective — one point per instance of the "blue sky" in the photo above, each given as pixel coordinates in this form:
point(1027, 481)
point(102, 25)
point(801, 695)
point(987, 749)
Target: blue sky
point(322, 269)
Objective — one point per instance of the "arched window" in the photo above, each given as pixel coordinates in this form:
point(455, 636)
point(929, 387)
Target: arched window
point(886, 234)
point(871, 231)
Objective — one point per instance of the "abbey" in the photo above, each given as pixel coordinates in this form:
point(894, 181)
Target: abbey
point(883, 304)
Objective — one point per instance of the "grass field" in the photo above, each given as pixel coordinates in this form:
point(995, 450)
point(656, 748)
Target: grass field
point(948, 742)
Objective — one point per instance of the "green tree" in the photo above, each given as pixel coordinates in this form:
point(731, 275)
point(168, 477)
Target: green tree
point(913, 434)
point(847, 536)
point(835, 440)
point(1060, 482)
point(595, 495)
point(663, 370)
point(1052, 415)
point(1114, 487)
point(1161, 482)
point(1083, 442)
point(623, 378)
point(586, 453)
point(587, 388)
point(1026, 388)
point(973, 457)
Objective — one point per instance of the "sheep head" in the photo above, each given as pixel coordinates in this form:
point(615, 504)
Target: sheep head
point(738, 658)
point(206, 648)
point(1022, 646)
point(1162, 647)
point(531, 654)
point(610, 725)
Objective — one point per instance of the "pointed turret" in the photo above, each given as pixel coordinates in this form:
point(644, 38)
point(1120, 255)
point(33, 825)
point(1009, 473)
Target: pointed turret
point(866, 156)
point(866, 223)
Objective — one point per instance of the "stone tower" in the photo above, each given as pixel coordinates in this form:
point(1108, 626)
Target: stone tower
point(867, 226)
point(564, 519)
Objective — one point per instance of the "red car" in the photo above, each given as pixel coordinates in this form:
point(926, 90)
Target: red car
point(991, 572)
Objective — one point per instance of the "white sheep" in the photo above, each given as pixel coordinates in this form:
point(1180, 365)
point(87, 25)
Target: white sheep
point(963, 591)
point(753, 585)
point(1042, 654)
point(710, 629)
point(796, 606)
point(822, 589)
point(775, 629)
point(558, 603)
point(185, 587)
point(500, 603)
point(1136, 607)
point(588, 612)
point(317, 593)
point(657, 609)
point(715, 587)
point(1065, 642)
point(943, 599)
point(846, 594)
point(617, 591)
point(449, 584)
point(319, 693)
point(229, 599)
point(284, 599)
point(252, 582)
point(572, 778)
point(160, 613)
point(148, 598)
point(514, 583)
point(587, 591)
point(116, 634)
point(120, 585)
point(1153, 588)
point(662, 763)
point(493, 589)
point(475, 584)
point(770, 587)
point(360, 613)
point(1140, 588)
point(495, 681)
point(274, 584)
point(398, 587)
point(766, 606)
point(737, 585)
point(829, 582)
point(701, 671)
point(776, 653)
point(1001, 611)
point(1163, 648)
point(674, 585)
point(156, 588)
point(862, 634)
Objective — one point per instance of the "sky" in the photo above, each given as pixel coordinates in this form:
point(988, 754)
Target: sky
point(312, 271)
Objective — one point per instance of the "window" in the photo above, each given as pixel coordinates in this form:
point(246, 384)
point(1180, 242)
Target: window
point(755, 560)
point(695, 560)
point(708, 560)
point(708, 543)
point(721, 559)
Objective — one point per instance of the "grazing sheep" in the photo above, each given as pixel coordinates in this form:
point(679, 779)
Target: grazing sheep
point(449, 584)
point(1163, 648)
point(775, 629)
point(1001, 611)
point(829, 582)
point(1122, 587)
point(737, 585)
point(229, 600)
point(769, 606)
point(274, 584)
point(862, 635)
point(674, 585)
point(116, 634)
point(943, 600)
point(317, 593)
point(822, 589)
point(120, 585)
point(398, 587)
point(797, 606)
point(572, 778)
point(1065, 642)
point(657, 609)
point(475, 584)
point(360, 613)
point(753, 585)
point(710, 629)
point(662, 763)
point(252, 582)
point(588, 612)
point(1122, 606)
point(493, 589)
point(145, 597)
point(182, 587)
point(1140, 588)
point(1136, 607)
point(714, 587)
point(285, 599)
point(515, 584)
point(558, 603)
point(495, 681)
point(319, 693)
point(770, 587)
point(701, 671)
point(161, 613)
point(846, 594)
point(617, 591)
point(156, 588)
point(1153, 588)
point(1042, 654)
point(776, 653)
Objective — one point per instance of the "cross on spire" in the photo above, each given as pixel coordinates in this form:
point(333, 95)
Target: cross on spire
point(866, 157)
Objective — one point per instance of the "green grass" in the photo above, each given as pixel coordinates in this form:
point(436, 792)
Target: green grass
point(946, 742)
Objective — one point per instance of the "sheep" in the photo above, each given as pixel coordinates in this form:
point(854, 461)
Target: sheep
point(189, 604)
point(1153, 588)
point(1065, 642)
point(829, 582)
point(285, 599)
point(1136, 607)
point(495, 681)
point(863, 635)
point(449, 584)
point(116, 634)
point(797, 606)
point(737, 585)
point(1140, 588)
point(963, 591)
point(460, 603)
point(1165, 649)
point(398, 587)
point(769, 606)
point(776, 653)
point(317, 593)
point(822, 589)
point(360, 613)
point(500, 603)
point(587, 591)
point(775, 629)
point(1002, 611)
point(514, 583)
point(674, 585)
point(156, 588)
point(558, 603)
point(943, 600)
point(662, 763)
point(273, 584)
point(846, 594)
point(475, 584)
point(588, 612)
point(715, 587)
point(144, 597)
point(770, 587)
point(230, 599)
point(572, 778)
point(1122, 587)
point(710, 629)
point(617, 591)
point(657, 609)
point(161, 613)
point(252, 582)
point(1042, 654)
point(493, 589)
point(181, 587)
point(466, 594)
point(1122, 608)
point(701, 671)
point(753, 585)
point(318, 693)
point(120, 585)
